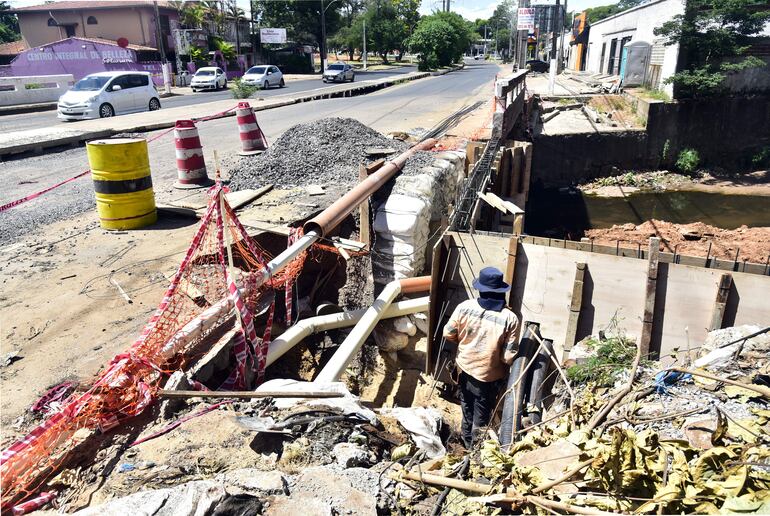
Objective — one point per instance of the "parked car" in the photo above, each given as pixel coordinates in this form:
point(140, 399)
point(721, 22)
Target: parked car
point(536, 65)
point(208, 78)
point(106, 94)
point(264, 76)
point(339, 72)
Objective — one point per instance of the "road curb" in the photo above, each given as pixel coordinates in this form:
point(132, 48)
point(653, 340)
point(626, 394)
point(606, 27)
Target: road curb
point(351, 90)
point(27, 108)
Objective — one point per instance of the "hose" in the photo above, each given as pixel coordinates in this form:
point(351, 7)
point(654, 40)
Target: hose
point(515, 394)
point(540, 369)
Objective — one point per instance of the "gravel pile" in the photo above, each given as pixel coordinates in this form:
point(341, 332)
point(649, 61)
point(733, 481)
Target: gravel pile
point(324, 152)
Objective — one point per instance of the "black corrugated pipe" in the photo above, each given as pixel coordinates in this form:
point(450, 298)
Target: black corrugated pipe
point(514, 401)
point(540, 370)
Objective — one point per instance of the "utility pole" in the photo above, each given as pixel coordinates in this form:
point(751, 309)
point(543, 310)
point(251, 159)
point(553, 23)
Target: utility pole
point(561, 35)
point(364, 52)
point(523, 39)
point(162, 50)
point(322, 46)
point(552, 69)
point(510, 34)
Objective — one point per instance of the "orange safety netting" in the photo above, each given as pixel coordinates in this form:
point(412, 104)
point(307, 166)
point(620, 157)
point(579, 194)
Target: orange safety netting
point(171, 339)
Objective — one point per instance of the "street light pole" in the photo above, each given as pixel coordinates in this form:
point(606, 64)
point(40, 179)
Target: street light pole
point(322, 46)
point(364, 50)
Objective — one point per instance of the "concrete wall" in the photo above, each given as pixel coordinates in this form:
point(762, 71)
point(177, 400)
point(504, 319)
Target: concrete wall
point(727, 132)
point(80, 57)
point(543, 278)
point(14, 89)
point(562, 159)
point(137, 24)
point(638, 24)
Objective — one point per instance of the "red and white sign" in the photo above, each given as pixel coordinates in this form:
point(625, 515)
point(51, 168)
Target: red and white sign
point(526, 18)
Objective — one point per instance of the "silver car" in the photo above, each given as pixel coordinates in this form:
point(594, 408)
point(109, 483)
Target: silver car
point(339, 72)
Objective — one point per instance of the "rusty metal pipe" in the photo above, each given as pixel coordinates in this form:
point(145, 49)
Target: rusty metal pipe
point(331, 217)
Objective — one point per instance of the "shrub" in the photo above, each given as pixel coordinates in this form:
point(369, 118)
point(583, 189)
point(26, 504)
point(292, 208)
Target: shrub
point(688, 161)
point(762, 158)
point(241, 90)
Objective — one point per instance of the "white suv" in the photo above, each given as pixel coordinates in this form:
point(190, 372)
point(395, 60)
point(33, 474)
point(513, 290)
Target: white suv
point(106, 94)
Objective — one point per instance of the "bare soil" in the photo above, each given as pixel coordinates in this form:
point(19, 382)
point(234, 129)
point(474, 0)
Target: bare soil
point(751, 244)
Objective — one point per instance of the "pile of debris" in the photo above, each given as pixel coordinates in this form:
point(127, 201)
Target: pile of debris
point(665, 440)
point(327, 151)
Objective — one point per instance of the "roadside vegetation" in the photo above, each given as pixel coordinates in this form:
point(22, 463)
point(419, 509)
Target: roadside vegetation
point(241, 90)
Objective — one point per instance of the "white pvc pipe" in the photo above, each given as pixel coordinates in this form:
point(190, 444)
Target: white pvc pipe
point(280, 261)
point(306, 327)
point(355, 339)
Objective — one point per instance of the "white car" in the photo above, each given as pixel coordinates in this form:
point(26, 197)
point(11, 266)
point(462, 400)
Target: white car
point(106, 94)
point(339, 72)
point(264, 76)
point(208, 78)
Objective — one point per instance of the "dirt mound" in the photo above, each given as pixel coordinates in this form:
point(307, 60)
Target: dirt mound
point(750, 244)
point(326, 151)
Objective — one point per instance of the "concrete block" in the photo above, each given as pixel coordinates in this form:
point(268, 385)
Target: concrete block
point(255, 481)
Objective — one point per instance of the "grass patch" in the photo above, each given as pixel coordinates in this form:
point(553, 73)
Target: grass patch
point(610, 357)
point(240, 90)
point(655, 94)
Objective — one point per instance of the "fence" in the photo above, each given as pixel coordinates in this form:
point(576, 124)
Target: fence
point(33, 89)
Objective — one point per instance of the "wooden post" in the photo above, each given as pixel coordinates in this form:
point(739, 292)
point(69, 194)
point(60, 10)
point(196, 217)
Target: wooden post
point(517, 172)
point(649, 296)
point(527, 170)
point(518, 224)
point(510, 265)
point(574, 309)
point(723, 292)
point(364, 215)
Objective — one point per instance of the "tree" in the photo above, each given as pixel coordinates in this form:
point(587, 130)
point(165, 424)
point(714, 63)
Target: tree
point(441, 39)
point(384, 31)
point(300, 18)
point(9, 25)
point(408, 15)
point(713, 37)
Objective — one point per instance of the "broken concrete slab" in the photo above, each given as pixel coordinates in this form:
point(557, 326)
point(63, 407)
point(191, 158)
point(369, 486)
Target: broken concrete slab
point(348, 455)
point(255, 481)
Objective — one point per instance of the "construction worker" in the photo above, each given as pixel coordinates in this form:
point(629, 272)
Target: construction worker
point(485, 333)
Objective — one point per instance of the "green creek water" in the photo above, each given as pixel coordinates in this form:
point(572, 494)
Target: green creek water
point(554, 212)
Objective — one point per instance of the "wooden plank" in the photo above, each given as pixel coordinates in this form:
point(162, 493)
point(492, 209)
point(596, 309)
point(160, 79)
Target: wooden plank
point(374, 166)
point(364, 214)
point(517, 171)
point(249, 394)
point(244, 197)
point(527, 170)
point(723, 292)
point(510, 264)
point(437, 297)
point(649, 296)
point(575, 305)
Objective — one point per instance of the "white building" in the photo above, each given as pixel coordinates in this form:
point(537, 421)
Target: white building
point(608, 37)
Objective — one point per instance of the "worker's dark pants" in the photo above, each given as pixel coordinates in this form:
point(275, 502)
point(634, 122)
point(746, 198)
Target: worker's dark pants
point(477, 400)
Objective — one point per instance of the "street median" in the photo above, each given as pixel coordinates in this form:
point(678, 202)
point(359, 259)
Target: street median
point(74, 133)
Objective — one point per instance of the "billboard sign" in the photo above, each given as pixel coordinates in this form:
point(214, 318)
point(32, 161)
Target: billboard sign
point(272, 35)
point(526, 18)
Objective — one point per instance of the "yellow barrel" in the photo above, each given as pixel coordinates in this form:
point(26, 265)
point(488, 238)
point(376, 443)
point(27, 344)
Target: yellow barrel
point(120, 168)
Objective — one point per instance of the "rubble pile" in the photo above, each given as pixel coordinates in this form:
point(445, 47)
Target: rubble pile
point(675, 442)
point(324, 152)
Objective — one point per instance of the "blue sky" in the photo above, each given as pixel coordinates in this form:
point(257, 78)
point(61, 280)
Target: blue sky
point(472, 9)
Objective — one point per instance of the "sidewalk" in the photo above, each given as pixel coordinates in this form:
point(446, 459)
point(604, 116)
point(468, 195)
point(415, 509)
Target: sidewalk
point(72, 134)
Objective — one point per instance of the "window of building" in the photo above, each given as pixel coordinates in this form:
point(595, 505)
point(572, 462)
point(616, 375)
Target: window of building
point(91, 20)
point(52, 23)
point(70, 30)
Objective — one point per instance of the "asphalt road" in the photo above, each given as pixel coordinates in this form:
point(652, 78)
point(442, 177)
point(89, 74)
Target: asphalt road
point(411, 107)
point(36, 120)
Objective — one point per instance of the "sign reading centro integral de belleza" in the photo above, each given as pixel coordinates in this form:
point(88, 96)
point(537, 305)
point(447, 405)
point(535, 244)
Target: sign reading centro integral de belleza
point(272, 35)
point(526, 18)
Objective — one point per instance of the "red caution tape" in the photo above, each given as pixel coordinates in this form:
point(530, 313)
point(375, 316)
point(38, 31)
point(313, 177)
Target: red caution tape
point(12, 204)
point(15, 203)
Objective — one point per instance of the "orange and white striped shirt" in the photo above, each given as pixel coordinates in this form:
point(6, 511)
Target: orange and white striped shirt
point(482, 336)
